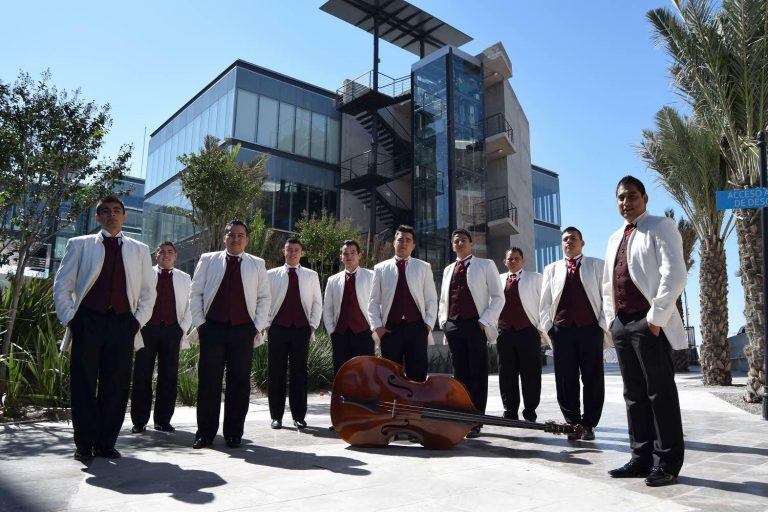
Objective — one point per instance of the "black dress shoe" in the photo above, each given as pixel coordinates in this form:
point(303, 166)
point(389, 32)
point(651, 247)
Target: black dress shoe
point(659, 477)
point(200, 443)
point(475, 432)
point(138, 429)
point(632, 469)
point(107, 453)
point(234, 442)
point(510, 415)
point(167, 427)
point(300, 424)
point(588, 435)
point(276, 424)
point(529, 416)
point(84, 454)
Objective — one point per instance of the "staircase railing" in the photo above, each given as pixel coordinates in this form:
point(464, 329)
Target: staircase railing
point(363, 84)
point(359, 165)
point(500, 208)
point(497, 123)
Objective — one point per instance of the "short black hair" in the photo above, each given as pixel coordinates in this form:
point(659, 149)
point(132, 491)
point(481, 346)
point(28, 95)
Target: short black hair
point(294, 240)
point(352, 243)
point(572, 229)
point(461, 232)
point(515, 249)
point(628, 181)
point(236, 222)
point(109, 199)
point(405, 228)
point(162, 244)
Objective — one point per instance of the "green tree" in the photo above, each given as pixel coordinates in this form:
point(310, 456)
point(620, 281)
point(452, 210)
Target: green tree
point(719, 54)
point(688, 235)
point(686, 156)
point(322, 236)
point(50, 172)
point(220, 189)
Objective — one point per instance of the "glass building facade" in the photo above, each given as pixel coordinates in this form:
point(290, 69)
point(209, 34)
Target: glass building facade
point(546, 216)
point(292, 122)
point(449, 164)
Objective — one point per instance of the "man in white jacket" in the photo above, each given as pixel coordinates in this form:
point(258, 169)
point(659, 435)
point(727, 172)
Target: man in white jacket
point(229, 301)
point(403, 306)
point(345, 306)
point(297, 306)
point(104, 292)
point(471, 299)
point(572, 315)
point(163, 337)
point(644, 275)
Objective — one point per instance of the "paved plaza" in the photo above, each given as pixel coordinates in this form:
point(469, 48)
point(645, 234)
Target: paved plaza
point(726, 466)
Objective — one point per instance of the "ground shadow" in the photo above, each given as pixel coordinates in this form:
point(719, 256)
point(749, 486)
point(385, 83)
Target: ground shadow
point(300, 461)
point(135, 476)
point(754, 488)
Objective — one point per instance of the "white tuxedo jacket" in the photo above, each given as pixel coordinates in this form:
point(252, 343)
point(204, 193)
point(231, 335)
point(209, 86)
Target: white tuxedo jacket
point(421, 284)
point(80, 267)
point(656, 266)
point(309, 292)
point(487, 295)
point(591, 275)
point(529, 286)
point(181, 285)
point(205, 284)
point(334, 292)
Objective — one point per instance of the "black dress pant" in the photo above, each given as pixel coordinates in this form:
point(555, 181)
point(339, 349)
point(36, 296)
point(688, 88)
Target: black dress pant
point(100, 375)
point(347, 345)
point(520, 359)
point(287, 353)
point(578, 352)
point(406, 345)
point(650, 394)
point(468, 344)
point(161, 342)
point(231, 347)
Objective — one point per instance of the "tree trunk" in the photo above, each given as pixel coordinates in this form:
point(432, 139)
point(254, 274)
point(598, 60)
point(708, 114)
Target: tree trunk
point(750, 239)
point(680, 357)
point(15, 295)
point(715, 358)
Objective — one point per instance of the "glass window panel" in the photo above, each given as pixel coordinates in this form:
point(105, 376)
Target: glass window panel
point(212, 121)
point(332, 145)
point(221, 117)
point(230, 112)
point(266, 134)
point(285, 128)
point(204, 126)
point(247, 107)
point(318, 136)
point(303, 120)
point(197, 139)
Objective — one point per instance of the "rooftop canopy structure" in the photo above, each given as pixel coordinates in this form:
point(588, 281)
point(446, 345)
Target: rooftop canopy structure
point(398, 22)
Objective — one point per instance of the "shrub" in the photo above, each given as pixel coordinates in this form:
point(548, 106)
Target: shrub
point(187, 383)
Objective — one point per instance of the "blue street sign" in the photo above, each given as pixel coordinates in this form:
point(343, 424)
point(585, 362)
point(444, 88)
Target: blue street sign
point(742, 198)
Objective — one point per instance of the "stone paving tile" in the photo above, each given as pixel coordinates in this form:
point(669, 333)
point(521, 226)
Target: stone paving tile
point(510, 469)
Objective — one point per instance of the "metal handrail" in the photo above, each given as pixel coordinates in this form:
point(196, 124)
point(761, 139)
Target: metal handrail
point(500, 208)
point(358, 165)
point(497, 123)
point(363, 84)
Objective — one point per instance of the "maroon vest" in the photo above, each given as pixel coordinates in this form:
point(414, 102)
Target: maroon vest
point(574, 309)
point(350, 315)
point(229, 304)
point(404, 308)
point(628, 299)
point(513, 315)
point(164, 311)
point(460, 302)
point(109, 291)
point(291, 312)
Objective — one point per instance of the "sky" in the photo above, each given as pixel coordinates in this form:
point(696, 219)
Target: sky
point(587, 74)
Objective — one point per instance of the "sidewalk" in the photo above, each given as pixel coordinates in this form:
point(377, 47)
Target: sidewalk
point(726, 466)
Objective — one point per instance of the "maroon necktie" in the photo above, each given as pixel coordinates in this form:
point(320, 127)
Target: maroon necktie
point(572, 266)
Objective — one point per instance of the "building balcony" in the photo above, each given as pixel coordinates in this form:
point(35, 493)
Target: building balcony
point(501, 217)
point(364, 171)
point(499, 137)
point(361, 94)
point(496, 65)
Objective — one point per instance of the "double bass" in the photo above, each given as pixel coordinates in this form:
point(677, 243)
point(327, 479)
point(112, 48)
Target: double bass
point(372, 401)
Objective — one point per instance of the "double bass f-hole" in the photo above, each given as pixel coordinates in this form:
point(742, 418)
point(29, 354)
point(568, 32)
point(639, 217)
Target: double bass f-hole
point(393, 381)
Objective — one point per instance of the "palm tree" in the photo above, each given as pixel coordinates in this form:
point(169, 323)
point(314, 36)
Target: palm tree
point(686, 156)
point(720, 65)
point(688, 234)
